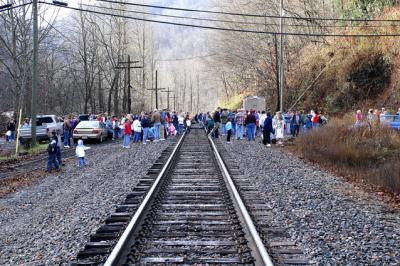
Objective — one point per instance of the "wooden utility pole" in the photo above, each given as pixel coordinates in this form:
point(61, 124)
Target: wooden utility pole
point(34, 70)
point(167, 91)
point(174, 101)
point(198, 95)
point(277, 69)
point(156, 89)
point(191, 95)
point(281, 61)
point(128, 65)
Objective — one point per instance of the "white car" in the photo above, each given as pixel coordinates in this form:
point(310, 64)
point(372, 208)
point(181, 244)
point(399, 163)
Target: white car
point(90, 130)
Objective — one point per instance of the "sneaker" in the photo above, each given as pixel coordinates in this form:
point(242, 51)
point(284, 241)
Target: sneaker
point(268, 145)
point(66, 147)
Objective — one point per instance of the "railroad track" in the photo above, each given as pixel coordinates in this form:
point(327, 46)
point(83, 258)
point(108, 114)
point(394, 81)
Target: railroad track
point(189, 213)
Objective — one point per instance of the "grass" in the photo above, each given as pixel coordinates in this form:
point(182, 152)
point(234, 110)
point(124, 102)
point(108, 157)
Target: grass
point(366, 154)
point(26, 152)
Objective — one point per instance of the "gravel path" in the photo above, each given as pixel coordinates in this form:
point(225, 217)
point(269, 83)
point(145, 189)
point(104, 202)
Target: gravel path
point(334, 223)
point(50, 222)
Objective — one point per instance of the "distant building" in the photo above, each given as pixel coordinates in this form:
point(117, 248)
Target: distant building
point(254, 102)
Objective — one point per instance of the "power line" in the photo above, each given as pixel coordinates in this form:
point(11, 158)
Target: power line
point(227, 21)
point(231, 29)
point(182, 17)
point(14, 7)
point(186, 58)
point(249, 15)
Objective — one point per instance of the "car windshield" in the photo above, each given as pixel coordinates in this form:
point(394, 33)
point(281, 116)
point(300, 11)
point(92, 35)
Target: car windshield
point(88, 124)
point(44, 120)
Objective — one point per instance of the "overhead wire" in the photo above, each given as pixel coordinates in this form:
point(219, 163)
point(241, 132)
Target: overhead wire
point(230, 29)
point(227, 21)
point(14, 7)
point(249, 15)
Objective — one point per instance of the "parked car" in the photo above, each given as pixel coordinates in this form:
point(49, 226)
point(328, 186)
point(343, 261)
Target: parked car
point(45, 125)
point(392, 121)
point(90, 130)
point(395, 124)
point(83, 117)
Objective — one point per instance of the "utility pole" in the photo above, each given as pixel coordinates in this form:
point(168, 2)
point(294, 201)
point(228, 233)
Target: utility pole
point(277, 69)
point(168, 97)
point(191, 95)
point(281, 61)
point(34, 70)
point(198, 95)
point(156, 89)
point(129, 86)
point(174, 101)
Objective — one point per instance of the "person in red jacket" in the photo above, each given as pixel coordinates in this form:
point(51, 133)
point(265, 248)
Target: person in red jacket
point(127, 134)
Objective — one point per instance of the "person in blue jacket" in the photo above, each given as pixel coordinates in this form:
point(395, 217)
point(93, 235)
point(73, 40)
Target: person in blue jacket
point(267, 130)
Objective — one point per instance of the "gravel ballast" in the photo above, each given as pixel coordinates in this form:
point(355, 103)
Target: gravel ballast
point(48, 223)
point(334, 222)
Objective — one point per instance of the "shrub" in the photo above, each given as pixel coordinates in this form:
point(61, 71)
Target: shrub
point(367, 154)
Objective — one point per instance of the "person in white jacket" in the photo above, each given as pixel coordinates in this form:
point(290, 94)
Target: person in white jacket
point(279, 127)
point(80, 153)
point(137, 129)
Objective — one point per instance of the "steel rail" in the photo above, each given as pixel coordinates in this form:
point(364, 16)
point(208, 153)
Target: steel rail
point(263, 254)
point(119, 247)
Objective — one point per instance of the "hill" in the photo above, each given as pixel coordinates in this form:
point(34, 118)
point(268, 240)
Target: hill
point(344, 74)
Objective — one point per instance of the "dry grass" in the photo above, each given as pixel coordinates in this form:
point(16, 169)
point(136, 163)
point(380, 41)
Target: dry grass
point(366, 154)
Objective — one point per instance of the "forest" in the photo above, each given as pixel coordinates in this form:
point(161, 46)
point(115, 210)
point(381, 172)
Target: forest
point(83, 56)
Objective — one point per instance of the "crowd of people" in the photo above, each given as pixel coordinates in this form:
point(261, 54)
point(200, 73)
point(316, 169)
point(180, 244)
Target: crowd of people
point(375, 117)
point(251, 124)
point(158, 125)
point(131, 128)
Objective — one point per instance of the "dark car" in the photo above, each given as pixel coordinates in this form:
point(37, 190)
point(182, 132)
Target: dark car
point(84, 117)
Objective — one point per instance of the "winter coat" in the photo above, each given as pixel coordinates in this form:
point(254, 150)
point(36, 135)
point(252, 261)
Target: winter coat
point(217, 117)
point(268, 124)
point(240, 118)
point(180, 120)
point(251, 118)
point(279, 126)
point(11, 126)
point(156, 117)
point(52, 148)
point(228, 126)
point(80, 151)
point(224, 117)
point(145, 122)
point(137, 127)
point(300, 120)
point(127, 129)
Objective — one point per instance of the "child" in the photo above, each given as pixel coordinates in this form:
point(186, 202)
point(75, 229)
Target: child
point(52, 151)
point(80, 153)
point(172, 130)
point(228, 129)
